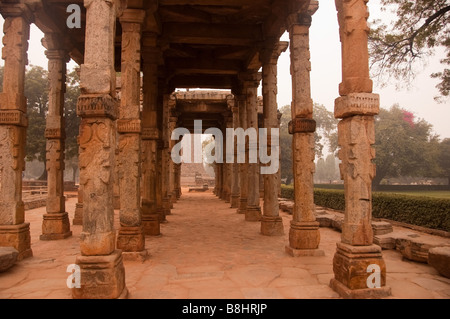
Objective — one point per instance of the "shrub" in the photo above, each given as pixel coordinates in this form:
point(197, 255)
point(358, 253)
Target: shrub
point(416, 210)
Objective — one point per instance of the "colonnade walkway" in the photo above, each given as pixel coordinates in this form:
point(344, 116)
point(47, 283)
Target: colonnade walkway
point(208, 251)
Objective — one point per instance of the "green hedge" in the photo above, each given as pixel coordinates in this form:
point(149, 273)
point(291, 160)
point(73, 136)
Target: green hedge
point(421, 211)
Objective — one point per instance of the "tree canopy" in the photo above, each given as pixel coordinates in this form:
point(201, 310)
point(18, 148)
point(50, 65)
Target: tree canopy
point(404, 146)
point(420, 27)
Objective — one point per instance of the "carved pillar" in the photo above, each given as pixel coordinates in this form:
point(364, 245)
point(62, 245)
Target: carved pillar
point(131, 238)
point(56, 223)
point(243, 167)
point(271, 222)
point(227, 123)
point(172, 166)
point(78, 214)
point(150, 136)
point(304, 234)
point(102, 271)
point(235, 188)
point(356, 108)
point(14, 232)
point(251, 83)
point(165, 156)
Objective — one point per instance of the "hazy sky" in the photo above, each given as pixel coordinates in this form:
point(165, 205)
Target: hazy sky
point(326, 71)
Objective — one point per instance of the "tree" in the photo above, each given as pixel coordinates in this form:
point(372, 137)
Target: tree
point(444, 158)
point(72, 121)
point(420, 27)
point(404, 146)
point(36, 92)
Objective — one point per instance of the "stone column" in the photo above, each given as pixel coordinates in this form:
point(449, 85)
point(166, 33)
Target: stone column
point(165, 156)
point(56, 223)
point(356, 256)
point(271, 222)
point(235, 188)
point(78, 214)
point(131, 238)
point(227, 122)
point(304, 234)
point(102, 271)
point(243, 167)
point(150, 136)
point(14, 231)
point(251, 83)
point(172, 167)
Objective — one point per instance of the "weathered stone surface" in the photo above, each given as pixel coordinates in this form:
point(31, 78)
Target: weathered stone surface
point(272, 226)
point(102, 277)
point(414, 248)
point(439, 258)
point(17, 236)
point(381, 228)
point(357, 104)
point(386, 241)
point(8, 257)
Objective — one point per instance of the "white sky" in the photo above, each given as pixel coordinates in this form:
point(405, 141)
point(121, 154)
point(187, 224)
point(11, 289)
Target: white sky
point(326, 71)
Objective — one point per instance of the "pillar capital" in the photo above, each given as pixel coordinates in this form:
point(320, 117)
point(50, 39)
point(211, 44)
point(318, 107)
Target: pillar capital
point(250, 79)
point(13, 9)
point(134, 16)
point(270, 55)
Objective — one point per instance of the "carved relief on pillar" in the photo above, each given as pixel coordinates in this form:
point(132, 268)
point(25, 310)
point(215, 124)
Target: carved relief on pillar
point(356, 137)
point(354, 30)
point(14, 52)
point(96, 161)
point(11, 166)
point(357, 104)
point(129, 174)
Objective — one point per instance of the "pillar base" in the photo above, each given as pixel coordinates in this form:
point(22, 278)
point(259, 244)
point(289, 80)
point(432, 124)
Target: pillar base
point(162, 216)
point(151, 225)
point(253, 214)
point(78, 215)
point(272, 226)
point(304, 252)
point(18, 237)
point(368, 293)
point(234, 201)
point(304, 235)
point(131, 239)
point(166, 206)
point(55, 227)
point(242, 206)
point(350, 266)
point(135, 255)
point(102, 277)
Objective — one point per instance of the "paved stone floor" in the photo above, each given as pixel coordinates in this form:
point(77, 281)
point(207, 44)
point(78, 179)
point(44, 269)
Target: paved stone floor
point(207, 251)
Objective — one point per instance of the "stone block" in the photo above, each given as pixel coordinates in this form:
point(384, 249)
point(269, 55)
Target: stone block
point(357, 104)
point(439, 258)
point(18, 237)
point(381, 228)
point(102, 277)
point(272, 226)
point(8, 257)
point(414, 248)
point(384, 241)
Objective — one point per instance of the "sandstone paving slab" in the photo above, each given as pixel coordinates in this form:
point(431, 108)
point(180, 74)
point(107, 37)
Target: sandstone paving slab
point(308, 292)
point(253, 275)
point(261, 293)
point(289, 282)
point(431, 284)
point(216, 293)
point(405, 289)
point(324, 279)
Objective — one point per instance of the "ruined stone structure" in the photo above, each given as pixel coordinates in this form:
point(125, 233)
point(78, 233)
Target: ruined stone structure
point(123, 143)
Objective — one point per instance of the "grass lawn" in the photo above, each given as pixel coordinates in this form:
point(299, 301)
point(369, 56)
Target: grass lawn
point(435, 194)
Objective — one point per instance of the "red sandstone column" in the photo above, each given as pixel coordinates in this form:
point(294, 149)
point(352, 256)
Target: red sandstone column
point(357, 106)
point(14, 231)
point(56, 223)
point(102, 271)
point(243, 171)
point(235, 187)
point(131, 236)
point(271, 222)
point(165, 156)
point(251, 83)
point(150, 136)
point(304, 235)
